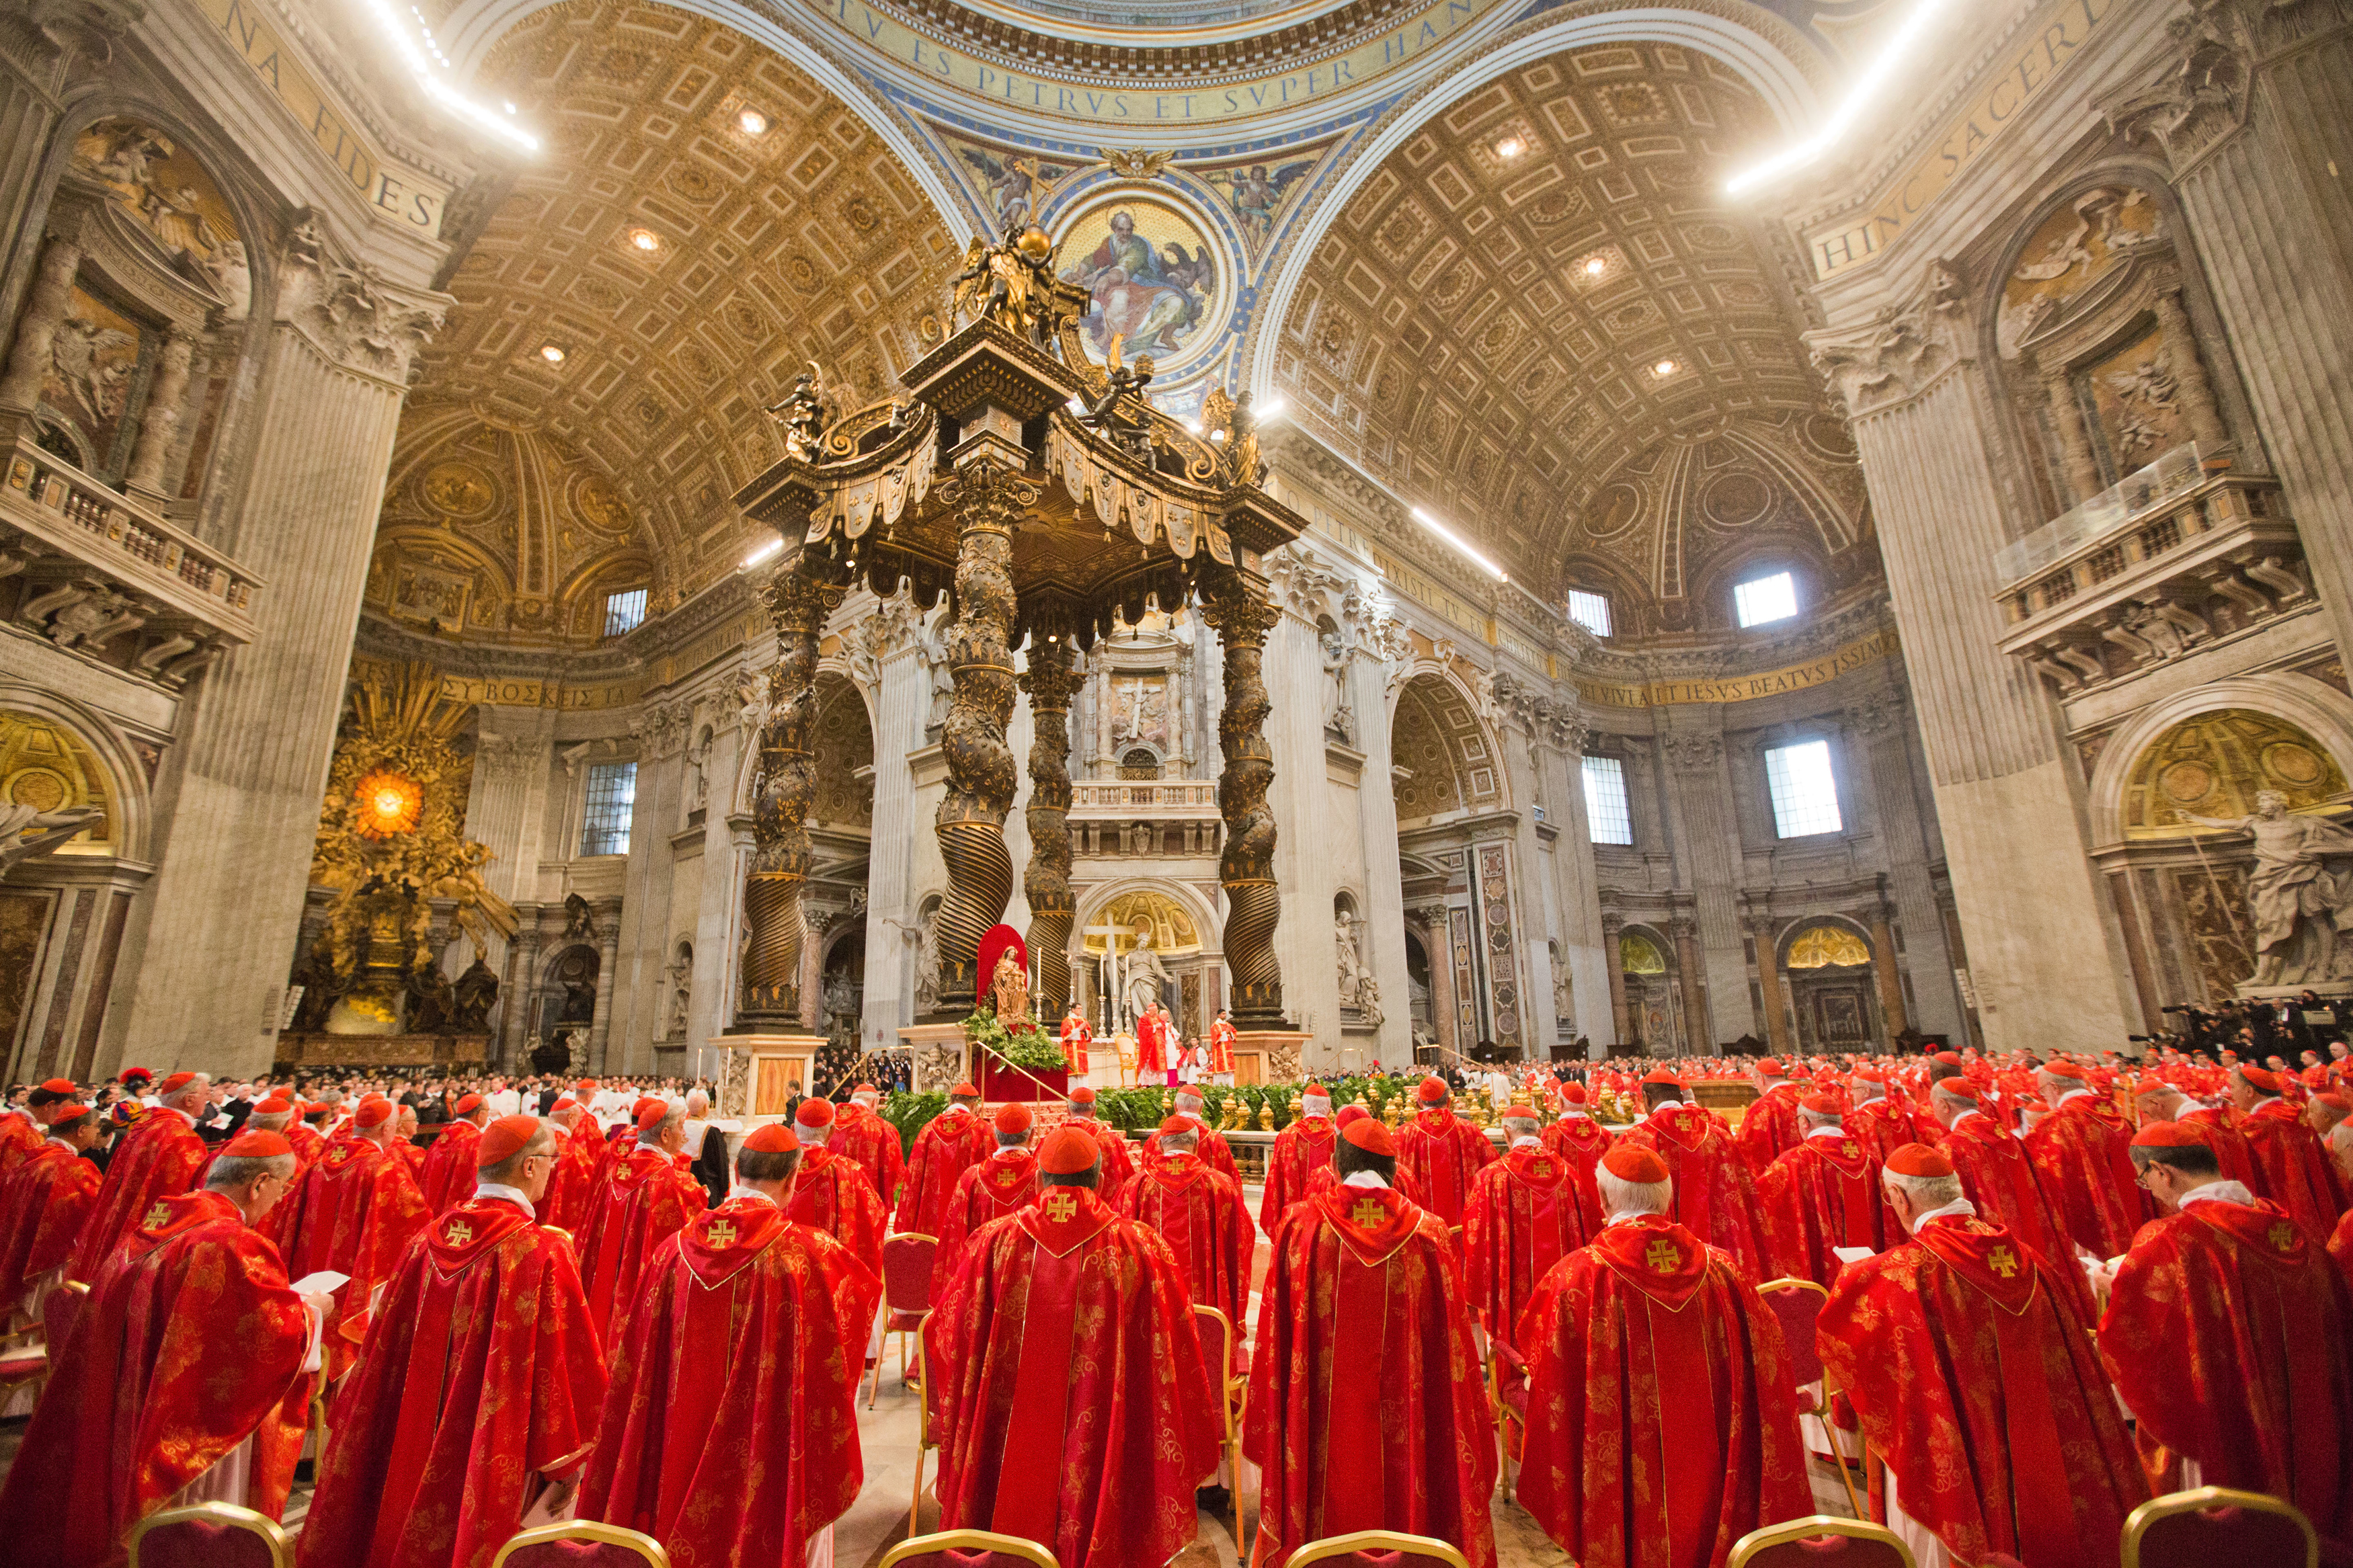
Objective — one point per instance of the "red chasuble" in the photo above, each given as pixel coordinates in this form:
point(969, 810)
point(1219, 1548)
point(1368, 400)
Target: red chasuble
point(1222, 1036)
point(44, 1202)
point(1522, 1219)
point(2340, 1246)
point(1366, 1410)
point(832, 1194)
point(447, 1175)
point(647, 1201)
point(2080, 1155)
point(1581, 1142)
point(19, 1136)
point(1978, 1383)
point(481, 1372)
point(1210, 1148)
point(872, 1144)
point(1661, 1422)
point(158, 1158)
point(949, 1144)
point(361, 1209)
point(1118, 1158)
point(730, 1430)
point(1821, 1195)
point(999, 1186)
point(2291, 1168)
point(2220, 1126)
point(573, 1185)
point(1323, 1178)
point(1076, 1038)
point(1444, 1154)
point(2230, 1339)
point(1715, 1196)
point(1304, 1146)
point(1151, 1047)
point(1201, 1215)
point(189, 1343)
point(1882, 1127)
point(283, 1223)
point(1770, 1129)
point(1068, 1394)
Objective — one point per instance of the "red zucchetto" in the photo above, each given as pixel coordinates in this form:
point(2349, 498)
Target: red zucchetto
point(1013, 1117)
point(504, 1139)
point(1067, 1151)
point(1918, 1160)
point(1631, 1163)
point(1370, 1136)
point(772, 1138)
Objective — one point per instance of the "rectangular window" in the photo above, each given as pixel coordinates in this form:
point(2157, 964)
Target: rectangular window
point(1805, 791)
point(1764, 599)
point(612, 796)
point(1607, 819)
point(624, 612)
point(1590, 611)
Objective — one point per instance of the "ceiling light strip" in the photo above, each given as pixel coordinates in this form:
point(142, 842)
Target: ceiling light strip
point(1460, 545)
point(1868, 86)
point(413, 53)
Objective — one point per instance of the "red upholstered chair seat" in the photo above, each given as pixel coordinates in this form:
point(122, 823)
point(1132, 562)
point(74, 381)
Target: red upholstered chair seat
point(2206, 1536)
point(903, 1322)
point(575, 1554)
point(1820, 1540)
point(30, 1361)
point(1797, 1309)
point(210, 1535)
point(907, 1273)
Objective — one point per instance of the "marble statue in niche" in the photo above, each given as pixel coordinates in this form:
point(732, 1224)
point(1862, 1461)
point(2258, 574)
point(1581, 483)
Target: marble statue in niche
point(1353, 973)
point(1144, 978)
point(680, 976)
point(1339, 719)
point(2299, 905)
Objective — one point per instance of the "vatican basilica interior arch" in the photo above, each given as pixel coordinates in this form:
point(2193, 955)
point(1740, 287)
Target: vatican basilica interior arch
point(1472, 582)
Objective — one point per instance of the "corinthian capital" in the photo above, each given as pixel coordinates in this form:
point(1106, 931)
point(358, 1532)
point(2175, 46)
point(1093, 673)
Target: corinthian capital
point(1901, 350)
point(349, 311)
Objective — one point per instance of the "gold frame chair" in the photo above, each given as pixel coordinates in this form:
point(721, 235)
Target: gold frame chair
point(924, 1444)
point(1374, 1540)
point(281, 1551)
point(1821, 1411)
point(1746, 1549)
point(1228, 1387)
point(2199, 1498)
point(1028, 1551)
point(645, 1545)
point(874, 1389)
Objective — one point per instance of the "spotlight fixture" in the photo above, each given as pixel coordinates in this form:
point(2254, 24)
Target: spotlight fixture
point(645, 239)
point(761, 555)
point(1460, 544)
point(552, 353)
point(1874, 76)
point(1664, 367)
point(1509, 147)
point(753, 122)
point(1596, 267)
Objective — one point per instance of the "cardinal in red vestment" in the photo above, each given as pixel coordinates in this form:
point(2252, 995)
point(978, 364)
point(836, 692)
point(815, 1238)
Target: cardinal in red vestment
point(44, 1202)
point(1322, 1179)
point(1769, 1130)
point(1366, 1410)
point(1877, 1122)
point(1068, 1395)
point(1822, 1194)
point(361, 1209)
point(1301, 1148)
point(2157, 1100)
point(182, 1380)
point(1001, 1185)
point(2229, 1336)
point(1223, 1037)
point(446, 1176)
point(2079, 1150)
point(1199, 1212)
point(22, 1128)
point(1213, 1151)
point(730, 1429)
point(1662, 1423)
point(158, 1158)
point(2341, 1151)
point(478, 1387)
point(1118, 1164)
point(863, 1138)
point(1155, 1047)
point(831, 1193)
point(1580, 1141)
point(1978, 1380)
point(2293, 1167)
point(649, 1199)
point(1441, 1151)
point(580, 1148)
point(1525, 1217)
point(949, 1144)
point(283, 1222)
point(1715, 1197)
point(1076, 1038)
point(1998, 1178)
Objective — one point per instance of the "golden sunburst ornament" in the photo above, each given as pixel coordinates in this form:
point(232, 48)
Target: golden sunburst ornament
point(389, 803)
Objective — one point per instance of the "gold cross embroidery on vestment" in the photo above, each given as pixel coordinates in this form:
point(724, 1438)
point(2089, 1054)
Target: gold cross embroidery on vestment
point(1370, 1212)
point(458, 1233)
point(2003, 1261)
point(1664, 1257)
point(1061, 1204)
point(2282, 1237)
point(721, 1233)
point(156, 1215)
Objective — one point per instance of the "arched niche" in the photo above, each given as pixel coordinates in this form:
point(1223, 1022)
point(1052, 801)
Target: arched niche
point(1646, 964)
point(91, 759)
point(1826, 963)
point(2318, 709)
point(2213, 764)
point(1453, 765)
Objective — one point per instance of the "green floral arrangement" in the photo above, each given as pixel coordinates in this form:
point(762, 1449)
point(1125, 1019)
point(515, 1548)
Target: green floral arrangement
point(909, 1112)
point(1029, 1048)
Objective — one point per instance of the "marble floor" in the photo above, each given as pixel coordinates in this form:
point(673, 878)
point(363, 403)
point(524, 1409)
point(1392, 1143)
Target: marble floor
point(878, 1520)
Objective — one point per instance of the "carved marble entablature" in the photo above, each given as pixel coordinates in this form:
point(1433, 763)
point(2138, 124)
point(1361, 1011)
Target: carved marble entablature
point(349, 311)
point(1900, 352)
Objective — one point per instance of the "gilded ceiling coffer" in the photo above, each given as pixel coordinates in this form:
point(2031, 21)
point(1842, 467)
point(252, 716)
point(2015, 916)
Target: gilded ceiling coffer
point(1048, 502)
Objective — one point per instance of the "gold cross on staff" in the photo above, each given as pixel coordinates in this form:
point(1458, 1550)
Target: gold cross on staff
point(1061, 1204)
point(1664, 1257)
point(1370, 1212)
point(2003, 1261)
point(721, 1233)
point(157, 1216)
point(458, 1233)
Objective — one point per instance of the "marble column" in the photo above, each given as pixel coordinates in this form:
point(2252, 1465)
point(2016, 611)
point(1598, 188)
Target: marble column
point(641, 988)
point(899, 701)
point(2082, 468)
point(1243, 617)
point(518, 986)
point(1891, 983)
point(1700, 1039)
point(1377, 825)
point(1049, 683)
point(2047, 964)
point(1880, 741)
point(711, 1005)
point(1707, 853)
point(1770, 988)
point(56, 51)
point(2190, 374)
point(220, 932)
point(1612, 928)
point(160, 418)
point(37, 328)
point(772, 916)
point(600, 1033)
point(1523, 767)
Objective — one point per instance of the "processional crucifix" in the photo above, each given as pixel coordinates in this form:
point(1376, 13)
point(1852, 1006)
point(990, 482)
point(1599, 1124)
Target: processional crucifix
point(975, 496)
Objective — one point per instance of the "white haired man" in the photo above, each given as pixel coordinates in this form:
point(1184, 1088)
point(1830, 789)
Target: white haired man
point(2080, 1149)
point(160, 1157)
point(648, 1199)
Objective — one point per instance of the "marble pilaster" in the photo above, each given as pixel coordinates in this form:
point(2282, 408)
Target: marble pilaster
point(1384, 909)
point(1708, 840)
point(726, 846)
point(1586, 951)
point(1302, 869)
point(900, 699)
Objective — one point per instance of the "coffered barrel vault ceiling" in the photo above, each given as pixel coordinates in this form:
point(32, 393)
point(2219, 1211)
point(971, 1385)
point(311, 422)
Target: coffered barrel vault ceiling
point(1538, 319)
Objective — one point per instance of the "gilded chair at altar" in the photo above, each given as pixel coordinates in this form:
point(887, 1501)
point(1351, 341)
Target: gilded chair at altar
point(906, 1294)
point(1229, 1364)
point(924, 1441)
point(1378, 1549)
point(1507, 1395)
point(1821, 1541)
point(581, 1543)
point(210, 1535)
point(1797, 1303)
point(2209, 1525)
point(968, 1548)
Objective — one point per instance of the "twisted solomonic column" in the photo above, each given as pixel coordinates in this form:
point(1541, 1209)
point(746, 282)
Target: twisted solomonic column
point(982, 771)
point(1239, 613)
point(1046, 881)
point(780, 854)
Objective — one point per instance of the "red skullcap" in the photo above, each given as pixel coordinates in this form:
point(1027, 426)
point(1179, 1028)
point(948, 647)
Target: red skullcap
point(1574, 1093)
point(1013, 1117)
point(176, 1083)
point(2336, 1102)
point(1067, 1151)
point(504, 1139)
point(256, 1146)
point(772, 1138)
point(563, 1102)
point(467, 1105)
point(864, 1088)
point(1950, 1059)
point(1317, 1091)
point(66, 1110)
point(1661, 1074)
point(1919, 1159)
point(644, 1102)
point(373, 1111)
point(1871, 1075)
point(651, 1116)
point(316, 1108)
point(964, 1091)
point(1958, 1087)
point(1432, 1090)
point(1180, 1127)
point(2261, 1078)
point(1823, 1105)
point(1771, 1068)
point(1370, 1136)
point(2058, 1068)
point(62, 1086)
point(586, 1086)
point(815, 1111)
point(1349, 1114)
point(273, 1106)
point(1631, 1163)
point(1082, 1095)
point(2168, 1135)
